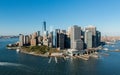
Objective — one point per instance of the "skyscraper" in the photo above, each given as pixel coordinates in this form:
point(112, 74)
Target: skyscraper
point(88, 39)
point(26, 40)
point(33, 40)
point(34, 35)
point(50, 39)
point(44, 26)
point(45, 41)
point(40, 40)
point(75, 35)
point(38, 33)
point(56, 37)
point(21, 40)
point(78, 44)
point(93, 30)
point(98, 37)
point(60, 38)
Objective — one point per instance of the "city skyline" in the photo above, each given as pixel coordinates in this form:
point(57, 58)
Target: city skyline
point(26, 16)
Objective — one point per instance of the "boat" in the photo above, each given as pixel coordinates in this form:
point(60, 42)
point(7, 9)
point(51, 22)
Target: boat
point(105, 49)
point(17, 50)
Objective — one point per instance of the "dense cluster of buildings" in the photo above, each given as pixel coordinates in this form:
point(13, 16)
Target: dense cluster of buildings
point(73, 38)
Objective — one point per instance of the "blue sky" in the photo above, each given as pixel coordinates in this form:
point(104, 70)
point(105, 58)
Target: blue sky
point(26, 16)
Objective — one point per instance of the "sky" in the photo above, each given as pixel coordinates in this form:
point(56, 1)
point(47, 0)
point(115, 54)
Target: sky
point(26, 16)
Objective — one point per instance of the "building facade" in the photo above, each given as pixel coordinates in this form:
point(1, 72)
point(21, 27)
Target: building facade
point(75, 35)
point(21, 40)
point(93, 30)
point(88, 39)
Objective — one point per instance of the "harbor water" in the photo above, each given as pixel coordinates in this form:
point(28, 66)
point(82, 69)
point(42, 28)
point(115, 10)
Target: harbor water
point(14, 63)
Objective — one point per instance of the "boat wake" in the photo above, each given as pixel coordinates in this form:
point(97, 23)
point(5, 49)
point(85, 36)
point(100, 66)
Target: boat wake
point(9, 64)
point(19, 66)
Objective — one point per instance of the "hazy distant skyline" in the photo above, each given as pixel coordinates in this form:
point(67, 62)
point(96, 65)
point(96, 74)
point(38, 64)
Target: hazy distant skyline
point(26, 16)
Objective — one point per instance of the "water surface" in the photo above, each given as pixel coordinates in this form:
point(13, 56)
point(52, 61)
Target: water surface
point(13, 63)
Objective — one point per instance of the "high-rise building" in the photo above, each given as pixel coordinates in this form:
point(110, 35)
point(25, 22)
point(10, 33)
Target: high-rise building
point(30, 37)
point(78, 44)
point(50, 39)
point(26, 40)
point(67, 38)
point(93, 30)
point(98, 37)
point(60, 38)
point(44, 26)
point(56, 37)
point(21, 40)
point(34, 35)
point(33, 42)
point(38, 33)
point(88, 39)
point(67, 41)
point(45, 40)
point(45, 33)
point(75, 35)
point(40, 40)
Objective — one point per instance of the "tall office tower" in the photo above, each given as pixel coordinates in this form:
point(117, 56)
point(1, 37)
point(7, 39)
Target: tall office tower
point(67, 41)
point(50, 39)
point(67, 38)
point(45, 40)
point(75, 35)
point(24, 40)
point(93, 30)
point(88, 39)
point(98, 37)
point(34, 35)
point(69, 31)
point(30, 37)
point(38, 33)
point(60, 39)
point(56, 37)
point(78, 44)
point(45, 33)
point(27, 40)
point(33, 42)
point(40, 40)
point(82, 34)
point(63, 31)
point(21, 40)
point(44, 26)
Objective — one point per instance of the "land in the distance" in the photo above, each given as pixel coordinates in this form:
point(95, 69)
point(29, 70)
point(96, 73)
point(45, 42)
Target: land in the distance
point(6, 37)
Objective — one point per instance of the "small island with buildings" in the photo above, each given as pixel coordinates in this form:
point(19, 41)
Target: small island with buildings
point(73, 42)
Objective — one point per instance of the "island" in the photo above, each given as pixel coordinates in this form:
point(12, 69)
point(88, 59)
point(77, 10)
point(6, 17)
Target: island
point(73, 42)
point(34, 50)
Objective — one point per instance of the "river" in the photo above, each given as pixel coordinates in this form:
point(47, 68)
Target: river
point(13, 63)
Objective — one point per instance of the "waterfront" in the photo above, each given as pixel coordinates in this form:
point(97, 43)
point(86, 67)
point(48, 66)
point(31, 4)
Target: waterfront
point(13, 63)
